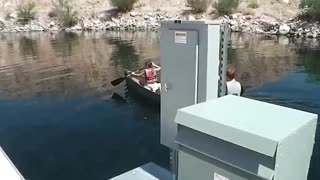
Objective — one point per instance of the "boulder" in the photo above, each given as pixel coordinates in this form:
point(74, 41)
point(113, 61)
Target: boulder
point(134, 14)
point(191, 18)
point(13, 15)
point(51, 24)
point(284, 29)
point(315, 35)
point(258, 30)
point(309, 35)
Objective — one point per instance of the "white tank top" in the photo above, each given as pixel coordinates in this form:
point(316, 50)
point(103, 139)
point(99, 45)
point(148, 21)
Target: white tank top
point(234, 87)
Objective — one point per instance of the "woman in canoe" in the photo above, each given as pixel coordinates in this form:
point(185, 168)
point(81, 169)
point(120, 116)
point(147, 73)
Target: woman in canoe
point(148, 76)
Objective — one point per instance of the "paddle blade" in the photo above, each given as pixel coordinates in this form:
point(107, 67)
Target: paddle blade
point(117, 81)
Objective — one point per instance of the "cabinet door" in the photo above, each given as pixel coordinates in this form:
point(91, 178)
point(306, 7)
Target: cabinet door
point(179, 62)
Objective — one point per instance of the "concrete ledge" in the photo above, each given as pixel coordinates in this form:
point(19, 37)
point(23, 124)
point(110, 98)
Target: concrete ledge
point(148, 171)
point(7, 169)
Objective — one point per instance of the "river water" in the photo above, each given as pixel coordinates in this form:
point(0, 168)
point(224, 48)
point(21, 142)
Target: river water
point(62, 119)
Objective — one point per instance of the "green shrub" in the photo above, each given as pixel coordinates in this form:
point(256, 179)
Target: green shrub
point(25, 12)
point(253, 4)
point(65, 13)
point(124, 5)
point(227, 6)
point(199, 6)
point(311, 10)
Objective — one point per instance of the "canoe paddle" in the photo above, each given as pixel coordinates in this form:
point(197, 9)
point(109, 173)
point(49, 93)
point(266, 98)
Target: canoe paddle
point(119, 80)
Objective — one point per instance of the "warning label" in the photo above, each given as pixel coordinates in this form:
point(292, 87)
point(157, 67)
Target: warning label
point(180, 37)
point(219, 177)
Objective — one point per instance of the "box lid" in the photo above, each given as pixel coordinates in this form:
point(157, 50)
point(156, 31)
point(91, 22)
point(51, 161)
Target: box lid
point(252, 124)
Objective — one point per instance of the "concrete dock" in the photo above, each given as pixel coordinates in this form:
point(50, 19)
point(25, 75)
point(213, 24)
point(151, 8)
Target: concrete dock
point(148, 171)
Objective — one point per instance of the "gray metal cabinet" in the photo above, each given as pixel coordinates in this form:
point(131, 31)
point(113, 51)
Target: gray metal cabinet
point(193, 69)
point(234, 138)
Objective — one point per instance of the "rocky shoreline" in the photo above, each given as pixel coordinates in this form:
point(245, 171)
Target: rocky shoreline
point(148, 21)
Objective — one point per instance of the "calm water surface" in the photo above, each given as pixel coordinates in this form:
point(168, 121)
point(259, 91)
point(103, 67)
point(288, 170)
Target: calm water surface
point(61, 118)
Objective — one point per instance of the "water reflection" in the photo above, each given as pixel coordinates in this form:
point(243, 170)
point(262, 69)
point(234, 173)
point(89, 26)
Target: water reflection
point(309, 60)
point(61, 120)
point(124, 54)
point(28, 46)
point(260, 59)
point(63, 43)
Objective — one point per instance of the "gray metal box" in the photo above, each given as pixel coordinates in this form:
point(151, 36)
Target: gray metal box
point(234, 138)
point(192, 68)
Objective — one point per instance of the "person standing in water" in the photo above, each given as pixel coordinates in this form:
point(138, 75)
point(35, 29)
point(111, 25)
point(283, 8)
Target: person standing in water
point(233, 87)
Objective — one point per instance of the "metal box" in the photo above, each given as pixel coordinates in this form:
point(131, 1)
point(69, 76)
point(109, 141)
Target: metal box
point(193, 61)
point(234, 138)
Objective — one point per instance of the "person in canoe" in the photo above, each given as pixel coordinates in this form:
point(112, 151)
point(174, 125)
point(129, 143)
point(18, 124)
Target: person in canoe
point(233, 87)
point(148, 76)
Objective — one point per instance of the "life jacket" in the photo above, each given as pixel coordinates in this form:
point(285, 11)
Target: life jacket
point(150, 75)
point(234, 87)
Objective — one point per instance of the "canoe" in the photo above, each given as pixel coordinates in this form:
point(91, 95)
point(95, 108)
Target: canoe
point(144, 94)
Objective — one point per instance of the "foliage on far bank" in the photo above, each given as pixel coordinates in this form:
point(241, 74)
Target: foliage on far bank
point(253, 4)
point(123, 5)
point(26, 12)
point(63, 10)
point(227, 7)
point(311, 10)
point(199, 6)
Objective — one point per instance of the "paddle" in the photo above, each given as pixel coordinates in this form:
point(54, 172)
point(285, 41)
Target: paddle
point(121, 79)
point(117, 81)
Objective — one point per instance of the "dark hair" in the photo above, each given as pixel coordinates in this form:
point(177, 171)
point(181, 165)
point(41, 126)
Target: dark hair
point(231, 72)
point(148, 64)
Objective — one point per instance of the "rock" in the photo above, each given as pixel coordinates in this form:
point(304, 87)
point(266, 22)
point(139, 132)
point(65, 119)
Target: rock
point(51, 24)
point(235, 28)
point(309, 35)
point(54, 29)
point(150, 14)
point(96, 21)
point(115, 20)
point(258, 30)
point(76, 27)
point(146, 17)
point(284, 29)
point(233, 23)
point(315, 35)
point(235, 16)
point(152, 19)
point(191, 18)
point(248, 17)
point(134, 14)
point(306, 30)
point(13, 15)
